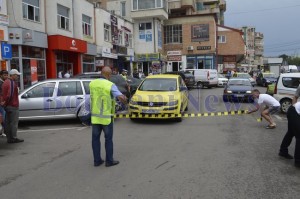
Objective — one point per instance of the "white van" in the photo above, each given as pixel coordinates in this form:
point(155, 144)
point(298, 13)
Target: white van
point(285, 89)
point(205, 77)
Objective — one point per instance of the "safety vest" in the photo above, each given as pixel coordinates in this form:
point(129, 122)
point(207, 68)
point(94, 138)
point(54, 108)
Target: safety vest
point(102, 104)
point(124, 76)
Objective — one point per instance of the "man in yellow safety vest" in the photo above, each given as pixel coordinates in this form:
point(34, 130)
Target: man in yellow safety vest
point(102, 95)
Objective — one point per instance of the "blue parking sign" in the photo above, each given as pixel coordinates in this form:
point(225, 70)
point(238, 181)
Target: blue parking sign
point(6, 51)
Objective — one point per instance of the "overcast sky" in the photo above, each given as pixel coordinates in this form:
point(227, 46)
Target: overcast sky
point(278, 20)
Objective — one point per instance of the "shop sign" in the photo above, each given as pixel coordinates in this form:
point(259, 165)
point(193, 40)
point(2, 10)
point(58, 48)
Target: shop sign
point(6, 51)
point(106, 52)
point(27, 35)
point(203, 47)
point(99, 62)
point(229, 59)
point(4, 20)
point(153, 56)
point(141, 57)
point(33, 69)
point(174, 58)
point(114, 29)
point(228, 65)
point(172, 53)
point(200, 32)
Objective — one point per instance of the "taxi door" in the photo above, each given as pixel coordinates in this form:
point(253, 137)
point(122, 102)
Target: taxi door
point(183, 93)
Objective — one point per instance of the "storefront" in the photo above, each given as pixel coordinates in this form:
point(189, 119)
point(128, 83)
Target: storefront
point(151, 63)
point(28, 55)
point(64, 54)
point(200, 62)
point(105, 57)
point(174, 61)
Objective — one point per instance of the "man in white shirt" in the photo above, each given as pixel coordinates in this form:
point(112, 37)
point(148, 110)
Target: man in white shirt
point(271, 106)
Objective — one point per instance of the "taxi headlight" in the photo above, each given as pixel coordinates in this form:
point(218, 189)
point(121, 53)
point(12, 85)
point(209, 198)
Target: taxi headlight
point(268, 80)
point(228, 91)
point(248, 91)
point(132, 102)
point(173, 103)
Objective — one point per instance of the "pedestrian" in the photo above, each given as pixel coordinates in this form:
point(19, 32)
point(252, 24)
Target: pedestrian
point(67, 74)
point(102, 96)
point(60, 74)
point(293, 117)
point(3, 77)
point(11, 103)
point(124, 74)
point(272, 106)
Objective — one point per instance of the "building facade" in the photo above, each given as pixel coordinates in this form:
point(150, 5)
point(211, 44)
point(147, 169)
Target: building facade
point(5, 54)
point(231, 49)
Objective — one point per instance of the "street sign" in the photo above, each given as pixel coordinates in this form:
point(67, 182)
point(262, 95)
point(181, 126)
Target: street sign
point(6, 51)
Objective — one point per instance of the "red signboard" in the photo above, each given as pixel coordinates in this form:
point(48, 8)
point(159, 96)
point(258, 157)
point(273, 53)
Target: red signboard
point(33, 69)
point(59, 42)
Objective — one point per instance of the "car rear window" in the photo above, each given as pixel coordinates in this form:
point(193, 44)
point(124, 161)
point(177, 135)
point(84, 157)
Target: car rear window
point(290, 82)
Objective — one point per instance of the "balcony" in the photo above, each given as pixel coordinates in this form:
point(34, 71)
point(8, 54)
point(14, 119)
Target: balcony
point(150, 13)
point(209, 1)
point(212, 10)
point(187, 4)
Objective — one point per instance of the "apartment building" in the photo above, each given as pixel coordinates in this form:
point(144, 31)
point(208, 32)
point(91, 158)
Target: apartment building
point(231, 48)
point(27, 35)
point(259, 49)
point(5, 53)
point(51, 36)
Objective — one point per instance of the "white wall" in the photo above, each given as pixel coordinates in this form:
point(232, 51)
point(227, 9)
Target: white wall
point(141, 46)
point(86, 8)
point(4, 27)
point(15, 12)
point(116, 6)
point(51, 18)
point(101, 17)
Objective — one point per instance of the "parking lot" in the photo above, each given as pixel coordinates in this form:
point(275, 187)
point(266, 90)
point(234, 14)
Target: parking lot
point(230, 156)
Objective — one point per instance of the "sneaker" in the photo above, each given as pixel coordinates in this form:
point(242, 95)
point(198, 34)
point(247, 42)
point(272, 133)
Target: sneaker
point(15, 140)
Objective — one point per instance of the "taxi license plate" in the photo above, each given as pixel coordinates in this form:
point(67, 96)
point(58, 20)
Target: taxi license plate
point(150, 111)
point(239, 95)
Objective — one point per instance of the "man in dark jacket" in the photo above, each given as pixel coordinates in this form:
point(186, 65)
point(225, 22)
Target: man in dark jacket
point(3, 77)
point(11, 103)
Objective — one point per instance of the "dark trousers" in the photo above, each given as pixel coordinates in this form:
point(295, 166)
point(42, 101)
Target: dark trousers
point(293, 130)
point(11, 122)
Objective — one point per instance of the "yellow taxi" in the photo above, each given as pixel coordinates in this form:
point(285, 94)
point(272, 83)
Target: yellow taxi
point(160, 97)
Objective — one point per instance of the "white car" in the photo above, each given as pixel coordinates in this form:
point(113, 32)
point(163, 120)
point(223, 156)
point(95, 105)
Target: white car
point(285, 89)
point(222, 80)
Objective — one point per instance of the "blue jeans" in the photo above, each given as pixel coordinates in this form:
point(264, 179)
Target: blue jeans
point(96, 144)
point(3, 113)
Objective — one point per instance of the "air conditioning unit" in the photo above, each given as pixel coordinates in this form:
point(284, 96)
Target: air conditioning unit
point(190, 48)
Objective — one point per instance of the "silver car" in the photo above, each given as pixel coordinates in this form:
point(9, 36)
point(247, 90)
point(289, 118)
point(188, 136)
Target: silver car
point(54, 99)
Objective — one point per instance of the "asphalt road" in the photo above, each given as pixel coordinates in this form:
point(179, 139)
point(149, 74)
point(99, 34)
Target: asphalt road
point(207, 157)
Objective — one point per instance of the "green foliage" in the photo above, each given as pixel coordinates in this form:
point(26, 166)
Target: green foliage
point(291, 60)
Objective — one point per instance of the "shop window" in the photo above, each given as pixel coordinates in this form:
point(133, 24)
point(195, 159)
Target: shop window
point(87, 25)
point(88, 64)
point(15, 51)
point(173, 34)
point(63, 17)
point(31, 10)
point(32, 52)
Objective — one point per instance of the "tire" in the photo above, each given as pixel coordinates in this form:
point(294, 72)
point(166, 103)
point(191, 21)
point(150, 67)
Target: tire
point(285, 105)
point(200, 85)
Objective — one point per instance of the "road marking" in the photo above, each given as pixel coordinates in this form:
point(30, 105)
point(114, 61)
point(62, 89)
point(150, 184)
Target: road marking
point(186, 115)
point(54, 129)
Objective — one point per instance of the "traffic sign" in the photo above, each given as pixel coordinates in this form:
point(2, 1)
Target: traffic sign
point(6, 51)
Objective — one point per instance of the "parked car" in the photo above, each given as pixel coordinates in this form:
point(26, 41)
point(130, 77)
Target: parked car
point(54, 99)
point(285, 89)
point(118, 80)
point(222, 80)
point(187, 77)
point(160, 94)
point(204, 77)
point(264, 79)
point(245, 75)
point(238, 90)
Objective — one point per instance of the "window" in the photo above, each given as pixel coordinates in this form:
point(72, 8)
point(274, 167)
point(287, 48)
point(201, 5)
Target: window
point(291, 82)
point(130, 40)
point(120, 37)
point(173, 34)
point(123, 8)
point(86, 25)
point(222, 39)
point(42, 90)
point(86, 86)
point(69, 88)
point(63, 17)
point(31, 10)
point(106, 32)
point(148, 4)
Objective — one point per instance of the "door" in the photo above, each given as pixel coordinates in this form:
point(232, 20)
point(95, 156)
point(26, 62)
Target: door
point(175, 66)
point(69, 96)
point(38, 102)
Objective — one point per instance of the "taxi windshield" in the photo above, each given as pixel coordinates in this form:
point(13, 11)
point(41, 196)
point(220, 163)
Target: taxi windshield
point(159, 84)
